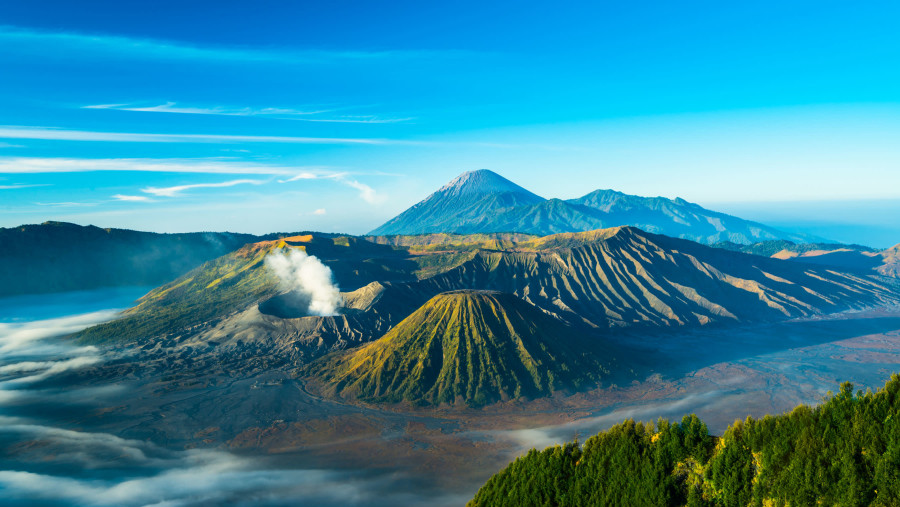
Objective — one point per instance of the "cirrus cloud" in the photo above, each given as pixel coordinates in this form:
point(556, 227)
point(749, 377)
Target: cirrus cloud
point(132, 198)
point(177, 190)
point(282, 113)
point(39, 165)
point(366, 192)
point(58, 134)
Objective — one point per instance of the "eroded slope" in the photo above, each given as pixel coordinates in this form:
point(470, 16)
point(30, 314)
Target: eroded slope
point(472, 347)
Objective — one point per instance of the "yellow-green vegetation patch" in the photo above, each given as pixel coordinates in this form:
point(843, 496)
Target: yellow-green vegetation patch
point(437, 263)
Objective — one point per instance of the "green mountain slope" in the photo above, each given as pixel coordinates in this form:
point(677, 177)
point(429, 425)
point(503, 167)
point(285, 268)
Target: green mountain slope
point(465, 347)
point(211, 291)
point(240, 280)
point(844, 452)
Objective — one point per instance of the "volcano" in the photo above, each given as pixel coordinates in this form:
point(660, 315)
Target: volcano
point(467, 347)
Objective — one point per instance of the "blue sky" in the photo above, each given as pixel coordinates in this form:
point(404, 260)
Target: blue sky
point(265, 116)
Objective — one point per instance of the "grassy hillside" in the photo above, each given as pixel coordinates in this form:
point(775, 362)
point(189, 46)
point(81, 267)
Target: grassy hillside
point(239, 279)
point(215, 289)
point(844, 452)
point(465, 347)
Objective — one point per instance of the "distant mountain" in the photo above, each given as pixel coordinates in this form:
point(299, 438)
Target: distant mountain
point(469, 347)
point(59, 256)
point(847, 257)
point(783, 248)
point(484, 202)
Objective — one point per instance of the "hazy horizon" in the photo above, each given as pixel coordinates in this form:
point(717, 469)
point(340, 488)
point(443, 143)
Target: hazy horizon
point(850, 221)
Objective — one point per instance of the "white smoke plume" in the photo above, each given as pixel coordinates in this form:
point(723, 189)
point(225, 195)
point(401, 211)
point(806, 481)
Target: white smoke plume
point(306, 275)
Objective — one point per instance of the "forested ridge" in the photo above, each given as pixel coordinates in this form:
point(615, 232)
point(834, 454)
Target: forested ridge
point(843, 452)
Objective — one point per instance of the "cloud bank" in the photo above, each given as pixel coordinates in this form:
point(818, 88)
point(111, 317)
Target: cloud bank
point(29, 337)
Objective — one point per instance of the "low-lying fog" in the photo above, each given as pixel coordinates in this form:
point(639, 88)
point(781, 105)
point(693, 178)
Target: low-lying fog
point(49, 455)
point(46, 461)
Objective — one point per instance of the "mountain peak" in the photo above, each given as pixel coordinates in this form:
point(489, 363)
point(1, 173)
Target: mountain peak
point(471, 197)
point(482, 201)
point(483, 182)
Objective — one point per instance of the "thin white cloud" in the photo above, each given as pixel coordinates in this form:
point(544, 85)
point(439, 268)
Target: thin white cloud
point(132, 198)
point(55, 134)
point(88, 46)
point(274, 112)
point(172, 107)
point(366, 192)
point(177, 190)
point(33, 165)
point(301, 176)
point(66, 204)
point(358, 119)
point(37, 165)
point(13, 187)
point(8, 145)
point(320, 211)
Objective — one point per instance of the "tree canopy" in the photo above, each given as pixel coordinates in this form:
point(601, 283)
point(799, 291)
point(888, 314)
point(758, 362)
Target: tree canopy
point(845, 451)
